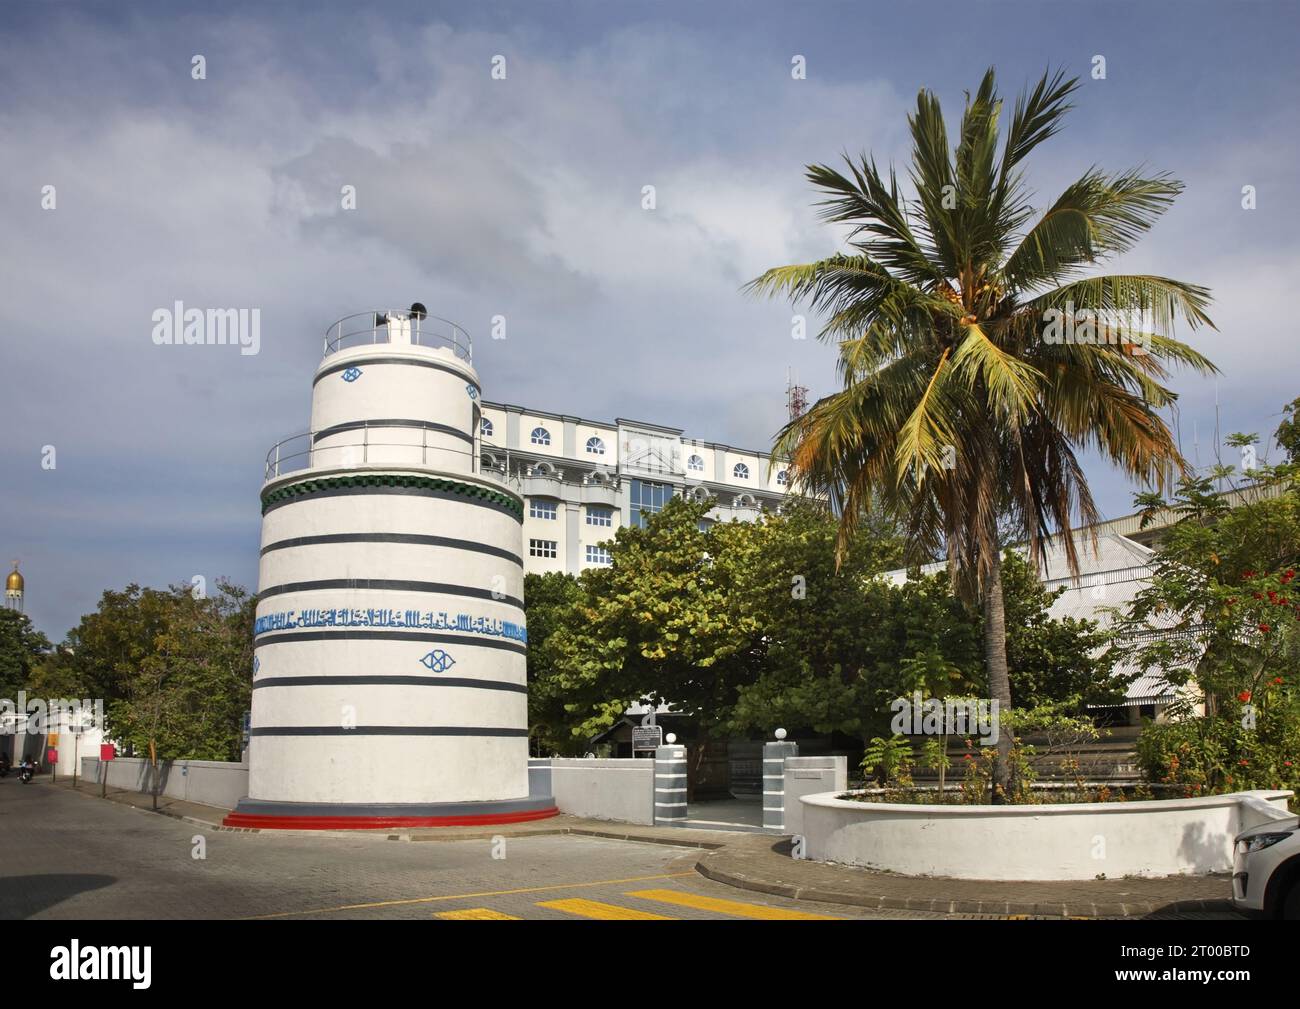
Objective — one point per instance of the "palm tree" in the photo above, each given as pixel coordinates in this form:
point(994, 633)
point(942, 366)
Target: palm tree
point(961, 412)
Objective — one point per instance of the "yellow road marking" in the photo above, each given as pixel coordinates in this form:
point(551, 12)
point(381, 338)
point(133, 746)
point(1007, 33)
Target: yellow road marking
point(469, 896)
point(602, 912)
point(475, 914)
point(732, 907)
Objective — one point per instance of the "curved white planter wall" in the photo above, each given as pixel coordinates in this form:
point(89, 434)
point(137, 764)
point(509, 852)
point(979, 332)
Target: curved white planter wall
point(1040, 842)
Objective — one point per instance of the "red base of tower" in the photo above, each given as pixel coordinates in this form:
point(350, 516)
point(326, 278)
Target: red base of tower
point(257, 821)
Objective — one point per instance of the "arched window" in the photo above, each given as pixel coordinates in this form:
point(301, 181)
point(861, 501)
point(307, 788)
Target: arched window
point(695, 463)
point(595, 446)
point(781, 478)
point(485, 428)
point(740, 471)
point(540, 436)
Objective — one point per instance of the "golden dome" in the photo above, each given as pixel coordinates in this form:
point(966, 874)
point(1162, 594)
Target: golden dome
point(14, 583)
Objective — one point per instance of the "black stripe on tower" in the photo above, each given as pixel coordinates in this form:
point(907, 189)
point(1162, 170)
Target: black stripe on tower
point(385, 730)
point(468, 682)
point(450, 542)
point(288, 637)
point(393, 584)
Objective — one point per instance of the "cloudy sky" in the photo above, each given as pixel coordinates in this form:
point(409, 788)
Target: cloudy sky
point(522, 197)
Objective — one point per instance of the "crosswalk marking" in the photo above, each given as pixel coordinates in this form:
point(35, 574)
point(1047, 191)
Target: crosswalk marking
point(476, 914)
point(601, 912)
point(732, 907)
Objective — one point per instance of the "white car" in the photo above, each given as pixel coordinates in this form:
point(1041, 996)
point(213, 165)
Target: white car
point(1266, 870)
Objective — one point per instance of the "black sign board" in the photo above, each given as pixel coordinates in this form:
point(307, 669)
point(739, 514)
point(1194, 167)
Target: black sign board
point(647, 737)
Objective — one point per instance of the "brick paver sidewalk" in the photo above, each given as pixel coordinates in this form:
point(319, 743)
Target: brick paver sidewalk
point(194, 812)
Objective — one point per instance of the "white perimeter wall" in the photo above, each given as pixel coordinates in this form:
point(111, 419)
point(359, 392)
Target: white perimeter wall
point(211, 782)
point(614, 789)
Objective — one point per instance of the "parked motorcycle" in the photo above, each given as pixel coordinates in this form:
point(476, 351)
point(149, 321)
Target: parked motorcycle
point(25, 772)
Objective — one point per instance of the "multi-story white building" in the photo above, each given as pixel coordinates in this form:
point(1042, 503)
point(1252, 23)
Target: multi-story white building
point(582, 479)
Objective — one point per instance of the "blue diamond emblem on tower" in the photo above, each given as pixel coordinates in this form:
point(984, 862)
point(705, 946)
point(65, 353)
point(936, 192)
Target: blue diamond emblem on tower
point(351, 374)
point(473, 393)
point(438, 660)
point(257, 663)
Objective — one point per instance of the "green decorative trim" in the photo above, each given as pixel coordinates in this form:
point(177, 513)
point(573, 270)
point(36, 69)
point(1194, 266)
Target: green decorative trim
point(307, 487)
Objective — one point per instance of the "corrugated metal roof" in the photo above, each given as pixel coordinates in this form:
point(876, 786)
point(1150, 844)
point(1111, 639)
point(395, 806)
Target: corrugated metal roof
point(1149, 688)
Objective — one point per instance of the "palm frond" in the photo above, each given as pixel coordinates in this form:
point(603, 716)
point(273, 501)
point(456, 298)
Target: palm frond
point(878, 215)
point(1012, 383)
point(1133, 298)
point(1096, 217)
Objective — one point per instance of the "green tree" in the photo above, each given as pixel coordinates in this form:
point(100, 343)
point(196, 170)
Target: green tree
point(960, 410)
point(1220, 618)
point(815, 662)
point(858, 652)
point(22, 650)
point(106, 647)
point(183, 697)
point(1288, 432)
point(753, 625)
point(549, 600)
point(654, 625)
point(1221, 611)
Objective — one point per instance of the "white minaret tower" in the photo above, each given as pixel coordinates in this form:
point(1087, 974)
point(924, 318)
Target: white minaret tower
point(14, 590)
point(389, 680)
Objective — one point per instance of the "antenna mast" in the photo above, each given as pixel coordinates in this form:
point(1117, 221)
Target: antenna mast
point(796, 396)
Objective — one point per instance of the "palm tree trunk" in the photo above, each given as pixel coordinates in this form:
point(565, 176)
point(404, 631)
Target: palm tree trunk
point(995, 661)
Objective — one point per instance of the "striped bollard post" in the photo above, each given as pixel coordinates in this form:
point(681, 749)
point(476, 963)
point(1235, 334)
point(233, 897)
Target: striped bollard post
point(774, 755)
point(670, 784)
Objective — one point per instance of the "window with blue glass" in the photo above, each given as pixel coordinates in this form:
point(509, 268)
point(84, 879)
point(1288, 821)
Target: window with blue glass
point(695, 463)
point(485, 426)
point(595, 446)
point(540, 436)
point(597, 516)
point(782, 479)
point(647, 498)
point(740, 471)
point(540, 509)
point(597, 555)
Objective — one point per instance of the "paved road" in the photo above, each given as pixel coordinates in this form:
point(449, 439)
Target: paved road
point(72, 855)
point(67, 854)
